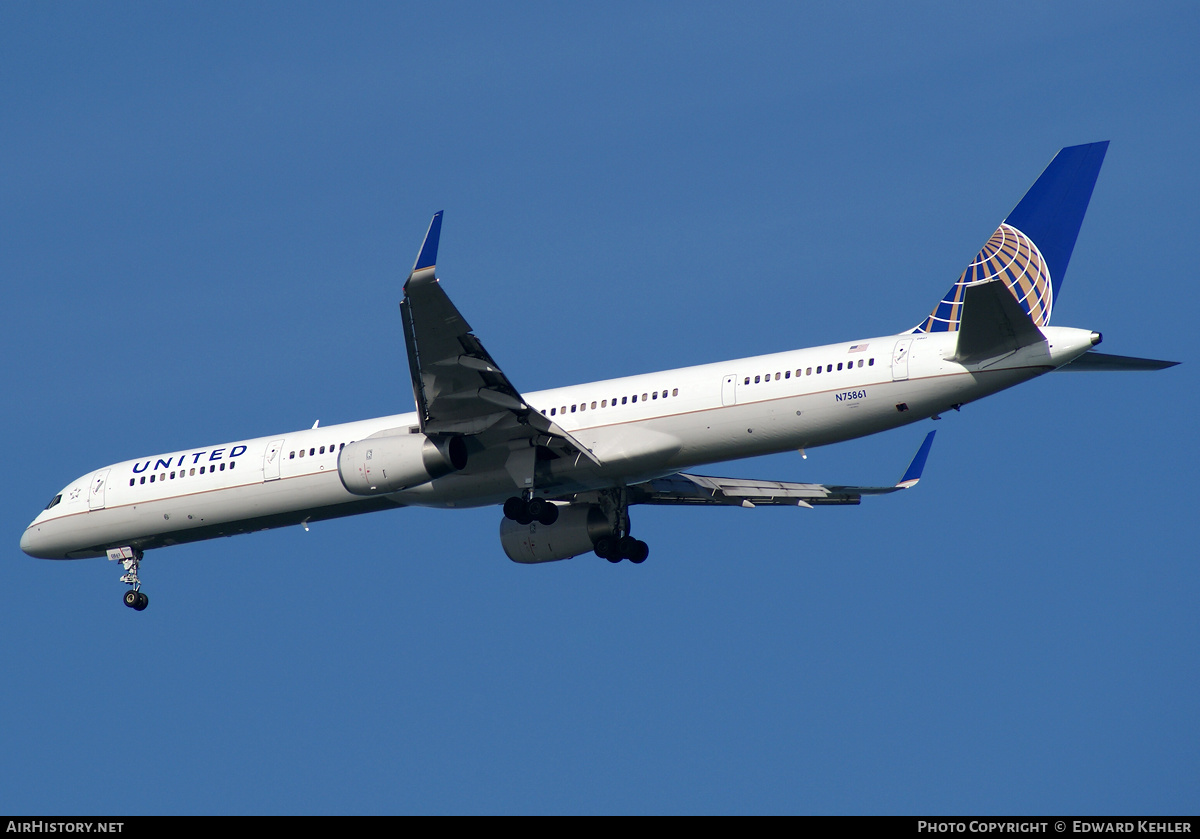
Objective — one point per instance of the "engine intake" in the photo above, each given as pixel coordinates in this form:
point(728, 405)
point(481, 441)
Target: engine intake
point(575, 532)
point(379, 465)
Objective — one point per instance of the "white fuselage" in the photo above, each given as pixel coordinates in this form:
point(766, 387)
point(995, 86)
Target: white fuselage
point(639, 428)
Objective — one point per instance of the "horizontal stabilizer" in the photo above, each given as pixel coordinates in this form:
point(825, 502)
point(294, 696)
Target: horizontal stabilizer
point(1102, 362)
point(993, 324)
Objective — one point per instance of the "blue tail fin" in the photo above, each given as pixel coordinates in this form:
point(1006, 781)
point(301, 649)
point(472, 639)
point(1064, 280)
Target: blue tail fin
point(1031, 248)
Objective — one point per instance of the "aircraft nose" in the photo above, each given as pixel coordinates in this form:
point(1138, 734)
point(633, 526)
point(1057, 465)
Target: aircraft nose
point(33, 543)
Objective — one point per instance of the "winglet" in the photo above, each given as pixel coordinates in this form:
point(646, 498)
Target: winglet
point(427, 258)
point(913, 474)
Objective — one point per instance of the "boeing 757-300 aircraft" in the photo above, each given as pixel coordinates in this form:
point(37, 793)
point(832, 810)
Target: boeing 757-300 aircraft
point(567, 464)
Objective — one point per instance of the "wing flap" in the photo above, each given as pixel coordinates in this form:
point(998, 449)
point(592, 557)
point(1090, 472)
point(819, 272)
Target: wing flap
point(682, 489)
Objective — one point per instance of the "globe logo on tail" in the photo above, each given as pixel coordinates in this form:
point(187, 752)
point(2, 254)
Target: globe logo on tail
point(1011, 256)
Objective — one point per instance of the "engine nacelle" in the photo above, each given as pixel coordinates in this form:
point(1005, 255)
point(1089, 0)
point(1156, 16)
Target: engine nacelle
point(393, 462)
point(576, 531)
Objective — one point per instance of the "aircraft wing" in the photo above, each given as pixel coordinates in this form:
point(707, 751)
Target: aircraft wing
point(458, 387)
point(682, 488)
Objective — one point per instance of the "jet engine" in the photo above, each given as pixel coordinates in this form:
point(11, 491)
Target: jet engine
point(390, 463)
point(575, 532)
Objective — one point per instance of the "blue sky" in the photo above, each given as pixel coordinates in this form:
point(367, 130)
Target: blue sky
point(206, 214)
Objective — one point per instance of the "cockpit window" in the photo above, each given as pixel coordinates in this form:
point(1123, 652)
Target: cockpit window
point(55, 500)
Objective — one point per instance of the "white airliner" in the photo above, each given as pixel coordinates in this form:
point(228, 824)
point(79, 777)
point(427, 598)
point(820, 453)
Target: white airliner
point(568, 463)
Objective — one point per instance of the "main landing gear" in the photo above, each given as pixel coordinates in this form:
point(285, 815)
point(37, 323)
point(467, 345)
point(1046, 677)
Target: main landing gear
point(615, 549)
point(130, 558)
point(527, 511)
point(620, 545)
point(614, 546)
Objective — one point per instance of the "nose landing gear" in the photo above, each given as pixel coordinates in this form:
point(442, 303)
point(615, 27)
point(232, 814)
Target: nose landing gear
point(130, 558)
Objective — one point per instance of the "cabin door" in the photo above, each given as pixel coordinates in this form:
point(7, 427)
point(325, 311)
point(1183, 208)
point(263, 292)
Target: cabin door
point(900, 359)
point(96, 493)
point(729, 390)
point(271, 458)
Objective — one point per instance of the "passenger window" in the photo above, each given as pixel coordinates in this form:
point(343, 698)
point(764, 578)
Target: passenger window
point(552, 410)
point(747, 381)
point(563, 409)
point(860, 362)
point(322, 450)
point(151, 479)
point(828, 368)
point(222, 467)
point(201, 470)
point(603, 403)
point(643, 397)
point(871, 363)
point(172, 476)
point(839, 365)
point(808, 373)
point(593, 406)
point(573, 409)
point(131, 480)
point(143, 480)
point(233, 463)
point(787, 374)
point(624, 399)
point(819, 369)
point(776, 377)
point(311, 452)
point(292, 456)
point(675, 391)
point(757, 379)
point(635, 397)
point(193, 471)
point(654, 395)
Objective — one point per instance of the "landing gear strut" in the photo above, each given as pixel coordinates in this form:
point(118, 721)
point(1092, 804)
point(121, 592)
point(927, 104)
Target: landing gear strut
point(135, 598)
point(620, 545)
